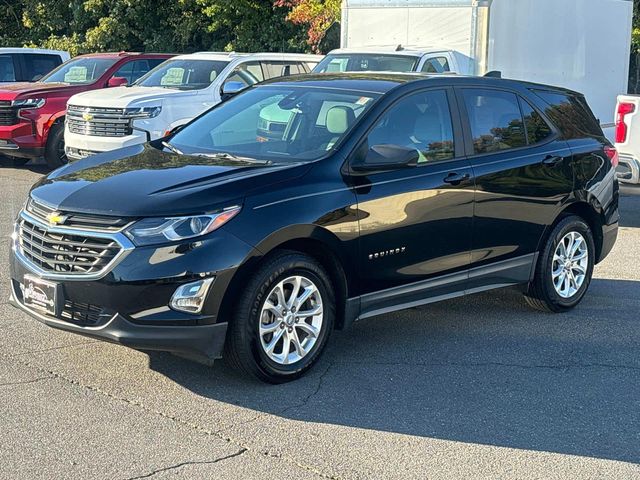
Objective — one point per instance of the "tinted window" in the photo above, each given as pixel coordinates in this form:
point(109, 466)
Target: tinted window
point(571, 114)
point(436, 65)
point(421, 121)
point(538, 129)
point(276, 123)
point(7, 69)
point(185, 74)
point(38, 64)
point(125, 71)
point(80, 70)
point(281, 69)
point(495, 119)
point(154, 62)
point(361, 62)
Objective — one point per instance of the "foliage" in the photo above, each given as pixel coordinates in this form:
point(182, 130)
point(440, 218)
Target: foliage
point(149, 25)
point(319, 15)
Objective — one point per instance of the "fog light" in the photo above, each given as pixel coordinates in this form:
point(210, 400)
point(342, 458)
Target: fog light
point(190, 297)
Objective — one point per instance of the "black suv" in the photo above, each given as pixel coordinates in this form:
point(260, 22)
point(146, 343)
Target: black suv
point(305, 203)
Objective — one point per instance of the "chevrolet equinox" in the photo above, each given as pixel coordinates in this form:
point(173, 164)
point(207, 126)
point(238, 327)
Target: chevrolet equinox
point(305, 203)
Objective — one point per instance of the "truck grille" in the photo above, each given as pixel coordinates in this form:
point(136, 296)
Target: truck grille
point(8, 115)
point(98, 122)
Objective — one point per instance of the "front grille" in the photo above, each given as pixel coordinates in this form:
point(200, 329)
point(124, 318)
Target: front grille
point(98, 122)
point(65, 253)
point(8, 114)
point(78, 220)
point(83, 314)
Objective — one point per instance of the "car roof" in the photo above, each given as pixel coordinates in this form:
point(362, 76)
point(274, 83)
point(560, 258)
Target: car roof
point(399, 50)
point(32, 50)
point(382, 82)
point(228, 56)
point(126, 54)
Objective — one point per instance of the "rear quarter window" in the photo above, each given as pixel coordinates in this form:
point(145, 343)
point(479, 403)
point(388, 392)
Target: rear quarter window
point(570, 114)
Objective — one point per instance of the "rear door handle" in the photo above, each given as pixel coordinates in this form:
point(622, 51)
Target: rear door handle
point(551, 160)
point(456, 178)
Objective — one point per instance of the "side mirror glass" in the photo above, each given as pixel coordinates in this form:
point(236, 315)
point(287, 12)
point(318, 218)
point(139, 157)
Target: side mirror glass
point(117, 82)
point(387, 157)
point(230, 88)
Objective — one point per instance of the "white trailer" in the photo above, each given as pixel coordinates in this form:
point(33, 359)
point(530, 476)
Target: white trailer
point(583, 45)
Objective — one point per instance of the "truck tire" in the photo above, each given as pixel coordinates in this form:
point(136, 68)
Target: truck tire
point(54, 151)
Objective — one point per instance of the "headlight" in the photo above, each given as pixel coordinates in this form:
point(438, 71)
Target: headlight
point(150, 231)
point(29, 103)
point(142, 112)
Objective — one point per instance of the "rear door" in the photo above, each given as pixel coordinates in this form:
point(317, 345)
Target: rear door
point(415, 222)
point(524, 173)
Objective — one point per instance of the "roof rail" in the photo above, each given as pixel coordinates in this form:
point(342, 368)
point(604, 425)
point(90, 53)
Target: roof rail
point(213, 53)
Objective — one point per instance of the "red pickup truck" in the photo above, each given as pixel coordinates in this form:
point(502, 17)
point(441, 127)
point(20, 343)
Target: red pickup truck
point(32, 114)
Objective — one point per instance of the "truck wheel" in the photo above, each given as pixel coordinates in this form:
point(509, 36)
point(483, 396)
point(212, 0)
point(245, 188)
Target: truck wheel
point(54, 151)
point(283, 319)
point(564, 268)
point(18, 162)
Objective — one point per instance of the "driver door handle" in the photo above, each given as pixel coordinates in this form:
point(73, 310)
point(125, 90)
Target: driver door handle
point(551, 160)
point(456, 178)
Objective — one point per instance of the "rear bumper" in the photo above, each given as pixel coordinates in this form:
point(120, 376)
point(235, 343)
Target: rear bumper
point(202, 343)
point(609, 237)
point(628, 170)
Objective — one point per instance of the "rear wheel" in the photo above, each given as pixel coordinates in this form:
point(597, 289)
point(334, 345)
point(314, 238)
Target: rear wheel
point(54, 151)
point(564, 268)
point(283, 320)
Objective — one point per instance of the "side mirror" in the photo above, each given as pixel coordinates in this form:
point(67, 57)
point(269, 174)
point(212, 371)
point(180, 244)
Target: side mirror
point(117, 82)
point(387, 157)
point(230, 88)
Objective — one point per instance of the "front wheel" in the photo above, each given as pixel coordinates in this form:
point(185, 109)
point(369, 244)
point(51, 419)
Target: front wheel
point(283, 319)
point(564, 268)
point(54, 151)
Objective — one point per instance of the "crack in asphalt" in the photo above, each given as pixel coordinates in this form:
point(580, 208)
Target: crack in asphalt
point(185, 423)
point(182, 464)
point(564, 366)
point(312, 394)
point(24, 382)
point(51, 349)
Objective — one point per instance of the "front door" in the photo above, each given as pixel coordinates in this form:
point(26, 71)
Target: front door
point(415, 222)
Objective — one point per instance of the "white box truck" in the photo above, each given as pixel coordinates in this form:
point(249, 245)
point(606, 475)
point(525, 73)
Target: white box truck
point(583, 45)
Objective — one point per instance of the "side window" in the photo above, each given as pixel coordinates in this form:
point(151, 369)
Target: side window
point(421, 121)
point(495, 119)
point(125, 71)
point(37, 65)
point(274, 69)
point(538, 129)
point(436, 65)
point(140, 67)
point(7, 69)
point(154, 62)
point(570, 114)
point(247, 73)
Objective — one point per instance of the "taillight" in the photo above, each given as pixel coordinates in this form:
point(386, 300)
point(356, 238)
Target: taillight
point(612, 153)
point(624, 109)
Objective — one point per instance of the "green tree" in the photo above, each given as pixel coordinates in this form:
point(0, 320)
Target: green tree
point(319, 15)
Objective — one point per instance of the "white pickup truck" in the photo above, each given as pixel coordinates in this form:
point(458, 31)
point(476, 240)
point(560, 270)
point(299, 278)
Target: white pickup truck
point(627, 138)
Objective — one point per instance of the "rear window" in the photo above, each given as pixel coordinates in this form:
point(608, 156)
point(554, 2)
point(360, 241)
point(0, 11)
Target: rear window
point(366, 62)
point(39, 64)
point(571, 114)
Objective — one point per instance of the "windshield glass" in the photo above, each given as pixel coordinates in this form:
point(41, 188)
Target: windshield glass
point(276, 123)
point(80, 70)
point(183, 74)
point(363, 62)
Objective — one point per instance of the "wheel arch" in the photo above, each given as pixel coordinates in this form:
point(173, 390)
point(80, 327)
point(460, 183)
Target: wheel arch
point(312, 240)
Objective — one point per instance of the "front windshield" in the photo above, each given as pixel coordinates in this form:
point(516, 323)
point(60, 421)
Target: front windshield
point(276, 123)
point(366, 62)
point(82, 70)
point(183, 74)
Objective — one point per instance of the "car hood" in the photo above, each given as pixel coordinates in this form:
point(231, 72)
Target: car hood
point(13, 90)
point(121, 97)
point(141, 181)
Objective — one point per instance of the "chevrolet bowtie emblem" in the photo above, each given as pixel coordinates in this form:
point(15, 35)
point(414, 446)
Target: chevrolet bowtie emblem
point(56, 218)
point(87, 117)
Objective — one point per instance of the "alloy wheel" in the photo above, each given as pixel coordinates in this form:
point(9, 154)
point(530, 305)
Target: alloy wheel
point(570, 264)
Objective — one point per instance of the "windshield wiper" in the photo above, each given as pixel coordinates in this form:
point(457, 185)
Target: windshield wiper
point(172, 148)
point(235, 158)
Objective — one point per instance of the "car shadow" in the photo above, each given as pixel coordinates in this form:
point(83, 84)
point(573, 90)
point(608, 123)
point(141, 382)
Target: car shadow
point(483, 369)
point(630, 206)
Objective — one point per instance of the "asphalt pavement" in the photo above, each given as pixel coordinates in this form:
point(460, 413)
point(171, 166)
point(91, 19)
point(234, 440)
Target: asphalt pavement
point(478, 387)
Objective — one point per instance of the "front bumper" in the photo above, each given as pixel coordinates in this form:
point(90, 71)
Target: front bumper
point(129, 305)
point(202, 343)
point(80, 146)
point(20, 140)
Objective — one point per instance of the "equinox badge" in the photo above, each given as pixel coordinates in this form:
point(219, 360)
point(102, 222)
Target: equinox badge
point(387, 253)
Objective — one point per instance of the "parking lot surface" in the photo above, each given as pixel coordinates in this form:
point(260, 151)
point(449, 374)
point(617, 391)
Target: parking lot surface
point(478, 387)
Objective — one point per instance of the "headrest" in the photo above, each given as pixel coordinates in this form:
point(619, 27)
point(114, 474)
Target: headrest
point(339, 118)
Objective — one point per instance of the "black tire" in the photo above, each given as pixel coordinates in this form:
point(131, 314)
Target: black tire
point(54, 151)
point(541, 293)
point(243, 349)
point(18, 162)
